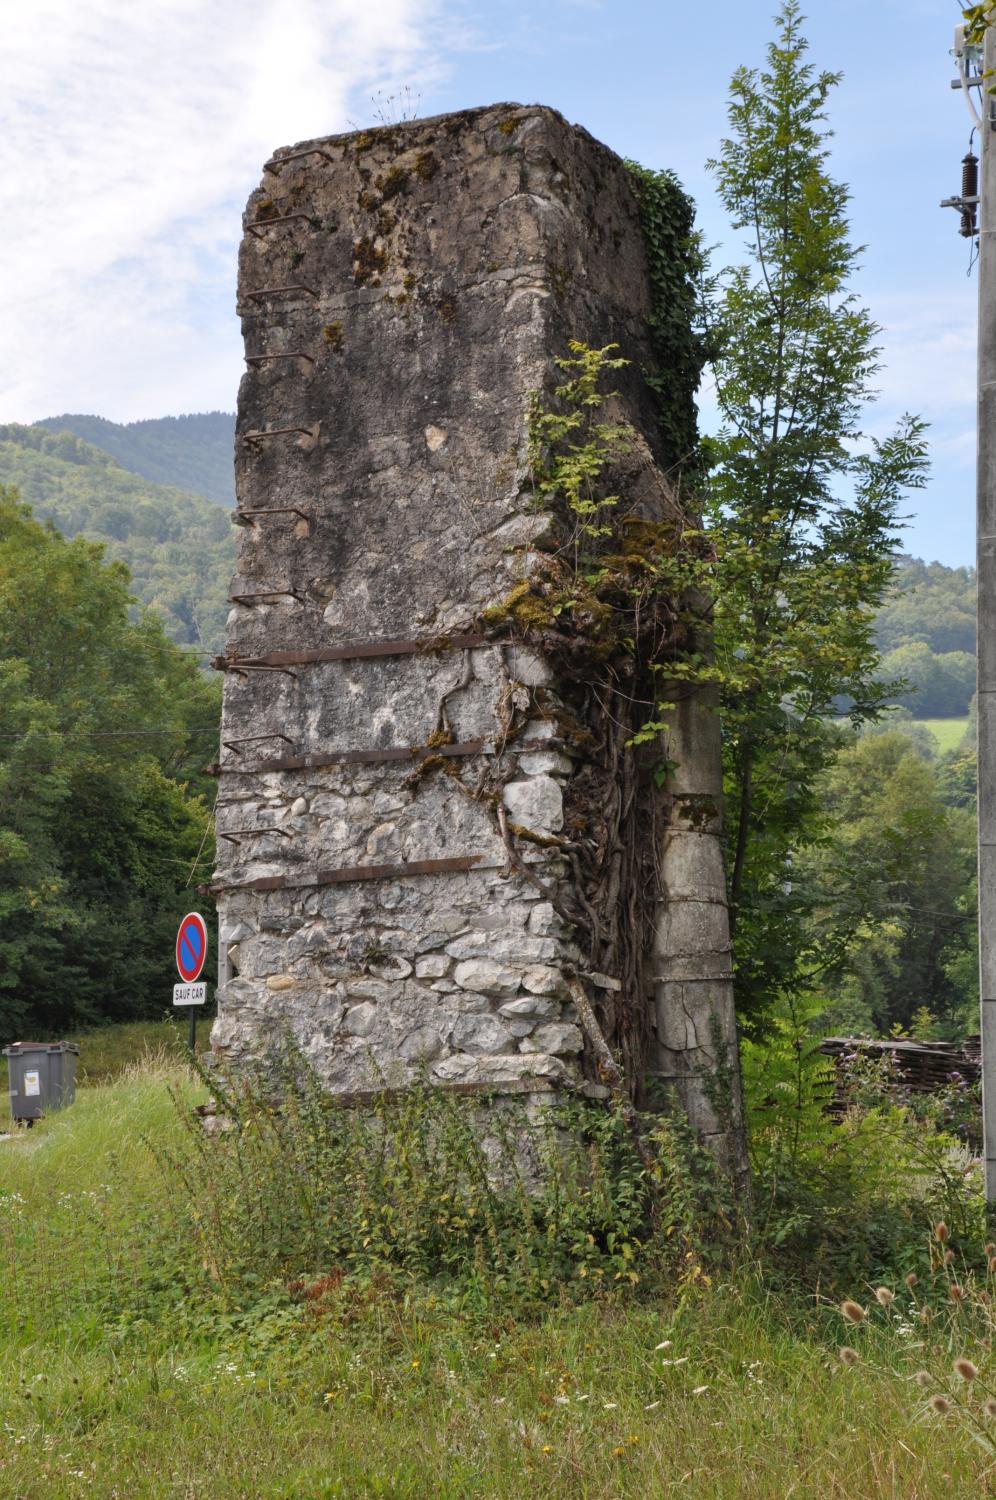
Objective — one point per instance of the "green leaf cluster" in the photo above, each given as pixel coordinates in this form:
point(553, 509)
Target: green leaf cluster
point(675, 263)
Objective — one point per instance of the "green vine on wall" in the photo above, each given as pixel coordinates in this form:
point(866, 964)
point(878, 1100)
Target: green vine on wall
point(667, 215)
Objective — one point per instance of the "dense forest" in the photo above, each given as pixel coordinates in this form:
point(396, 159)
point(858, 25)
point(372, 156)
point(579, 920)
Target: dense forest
point(189, 452)
point(105, 824)
point(178, 546)
point(926, 633)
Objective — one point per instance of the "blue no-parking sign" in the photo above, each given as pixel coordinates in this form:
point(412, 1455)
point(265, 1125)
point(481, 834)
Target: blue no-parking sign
point(191, 946)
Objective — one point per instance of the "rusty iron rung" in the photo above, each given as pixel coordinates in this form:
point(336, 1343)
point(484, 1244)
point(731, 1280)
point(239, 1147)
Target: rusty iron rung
point(258, 594)
point(249, 739)
point(242, 669)
point(347, 874)
point(357, 651)
point(244, 517)
point(248, 833)
point(279, 219)
point(278, 161)
point(262, 359)
point(272, 291)
point(258, 435)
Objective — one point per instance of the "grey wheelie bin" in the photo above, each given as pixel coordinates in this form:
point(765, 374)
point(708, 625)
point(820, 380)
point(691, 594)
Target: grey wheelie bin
point(42, 1078)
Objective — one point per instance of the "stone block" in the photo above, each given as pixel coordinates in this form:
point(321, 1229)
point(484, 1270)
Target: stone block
point(485, 975)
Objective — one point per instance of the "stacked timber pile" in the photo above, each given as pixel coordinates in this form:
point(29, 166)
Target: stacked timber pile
point(920, 1067)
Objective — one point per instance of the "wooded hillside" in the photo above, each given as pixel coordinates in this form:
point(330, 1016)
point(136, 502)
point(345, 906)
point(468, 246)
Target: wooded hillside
point(191, 452)
point(177, 545)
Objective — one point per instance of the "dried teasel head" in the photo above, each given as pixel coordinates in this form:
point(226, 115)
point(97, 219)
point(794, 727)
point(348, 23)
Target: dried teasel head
point(884, 1297)
point(940, 1404)
point(989, 1407)
point(848, 1356)
point(940, 1231)
point(990, 1249)
point(911, 1279)
point(852, 1311)
point(923, 1378)
point(956, 1293)
point(965, 1368)
point(992, 1262)
point(948, 1257)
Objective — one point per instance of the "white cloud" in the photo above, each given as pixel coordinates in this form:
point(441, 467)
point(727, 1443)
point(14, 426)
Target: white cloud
point(134, 133)
point(928, 353)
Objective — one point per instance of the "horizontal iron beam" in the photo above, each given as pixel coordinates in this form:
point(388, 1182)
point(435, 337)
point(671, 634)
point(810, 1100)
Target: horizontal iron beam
point(349, 874)
point(357, 651)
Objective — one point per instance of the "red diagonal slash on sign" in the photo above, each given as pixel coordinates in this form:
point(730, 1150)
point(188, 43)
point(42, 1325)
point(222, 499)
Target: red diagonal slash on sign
point(191, 946)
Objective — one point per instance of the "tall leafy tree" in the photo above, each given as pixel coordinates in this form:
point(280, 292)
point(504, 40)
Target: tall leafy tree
point(101, 819)
point(894, 892)
point(802, 509)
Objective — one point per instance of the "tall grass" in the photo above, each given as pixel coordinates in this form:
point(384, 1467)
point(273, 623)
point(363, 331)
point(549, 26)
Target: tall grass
point(147, 1352)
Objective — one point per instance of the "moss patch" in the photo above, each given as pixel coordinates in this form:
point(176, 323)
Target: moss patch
point(370, 261)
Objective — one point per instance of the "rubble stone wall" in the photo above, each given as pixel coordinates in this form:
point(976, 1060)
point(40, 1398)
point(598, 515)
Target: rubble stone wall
point(402, 292)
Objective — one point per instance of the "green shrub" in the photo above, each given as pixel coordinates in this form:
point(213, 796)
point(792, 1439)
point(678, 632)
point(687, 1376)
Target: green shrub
point(848, 1197)
point(488, 1201)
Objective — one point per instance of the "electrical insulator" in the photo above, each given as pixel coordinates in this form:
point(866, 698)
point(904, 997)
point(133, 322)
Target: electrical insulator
point(969, 189)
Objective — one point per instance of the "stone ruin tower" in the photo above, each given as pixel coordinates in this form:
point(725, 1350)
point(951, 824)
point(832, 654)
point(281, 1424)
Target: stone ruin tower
point(402, 785)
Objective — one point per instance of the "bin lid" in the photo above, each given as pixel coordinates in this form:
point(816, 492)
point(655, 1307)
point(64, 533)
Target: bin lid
point(17, 1047)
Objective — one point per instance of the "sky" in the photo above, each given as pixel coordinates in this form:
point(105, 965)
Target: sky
point(134, 130)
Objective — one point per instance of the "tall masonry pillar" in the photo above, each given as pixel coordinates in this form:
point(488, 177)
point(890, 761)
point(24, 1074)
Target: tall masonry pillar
point(409, 789)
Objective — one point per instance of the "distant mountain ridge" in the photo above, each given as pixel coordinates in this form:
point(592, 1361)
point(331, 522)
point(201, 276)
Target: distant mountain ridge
point(192, 453)
point(179, 546)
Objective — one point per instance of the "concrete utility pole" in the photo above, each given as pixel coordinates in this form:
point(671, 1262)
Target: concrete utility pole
point(982, 106)
point(986, 569)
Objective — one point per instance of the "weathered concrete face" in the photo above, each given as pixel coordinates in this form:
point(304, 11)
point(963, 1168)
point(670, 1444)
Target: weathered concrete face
point(420, 280)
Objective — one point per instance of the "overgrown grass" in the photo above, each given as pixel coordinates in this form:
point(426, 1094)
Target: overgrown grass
point(369, 1385)
point(107, 1051)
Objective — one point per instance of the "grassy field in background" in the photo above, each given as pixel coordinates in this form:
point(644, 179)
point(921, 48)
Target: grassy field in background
point(718, 1391)
point(948, 733)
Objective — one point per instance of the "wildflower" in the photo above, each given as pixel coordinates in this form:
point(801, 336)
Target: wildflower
point(547, 1448)
point(849, 1356)
point(965, 1368)
point(416, 1363)
point(955, 1292)
point(941, 1231)
point(923, 1378)
point(883, 1296)
point(911, 1279)
point(618, 1451)
point(940, 1404)
point(852, 1312)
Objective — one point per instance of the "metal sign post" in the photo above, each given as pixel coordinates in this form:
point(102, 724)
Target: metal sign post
point(191, 952)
